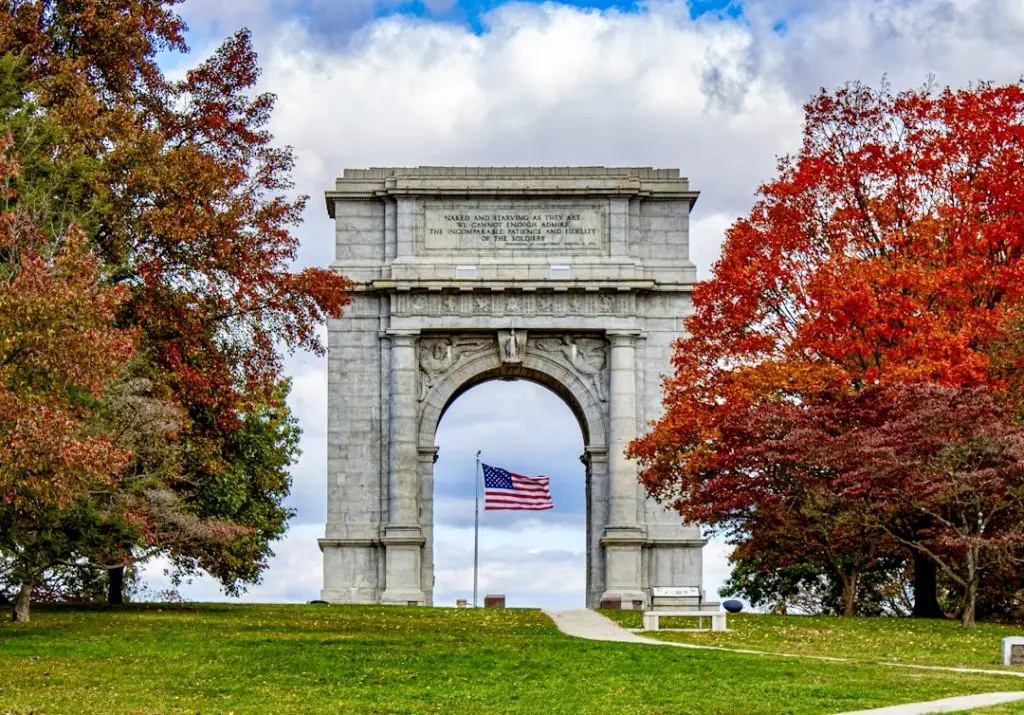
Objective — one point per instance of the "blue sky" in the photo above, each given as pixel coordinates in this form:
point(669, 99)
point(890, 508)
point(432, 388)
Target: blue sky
point(712, 88)
point(472, 11)
point(334, 20)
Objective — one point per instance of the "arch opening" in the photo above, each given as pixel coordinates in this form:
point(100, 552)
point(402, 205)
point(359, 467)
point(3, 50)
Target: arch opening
point(534, 558)
point(516, 373)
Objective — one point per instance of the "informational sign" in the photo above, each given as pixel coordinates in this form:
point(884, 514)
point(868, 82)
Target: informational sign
point(675, 591)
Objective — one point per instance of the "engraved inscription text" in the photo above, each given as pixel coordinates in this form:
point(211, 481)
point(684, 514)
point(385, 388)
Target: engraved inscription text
point(514, 229)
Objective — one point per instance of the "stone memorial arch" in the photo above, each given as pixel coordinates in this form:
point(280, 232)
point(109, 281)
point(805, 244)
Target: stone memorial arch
point(574, 278)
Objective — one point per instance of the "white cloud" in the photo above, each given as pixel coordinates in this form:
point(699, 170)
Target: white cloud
point(309, 404)
point(294, 575)
point(547, 84)
point(542, 567)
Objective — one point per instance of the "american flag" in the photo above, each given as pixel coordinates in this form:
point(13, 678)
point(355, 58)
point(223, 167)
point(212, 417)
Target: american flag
point(505, 490)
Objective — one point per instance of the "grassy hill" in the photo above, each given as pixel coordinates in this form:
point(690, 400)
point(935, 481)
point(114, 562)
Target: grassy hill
point(322, 659)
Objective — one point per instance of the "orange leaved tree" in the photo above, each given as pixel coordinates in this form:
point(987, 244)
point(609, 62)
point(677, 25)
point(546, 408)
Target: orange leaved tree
point(887, 251)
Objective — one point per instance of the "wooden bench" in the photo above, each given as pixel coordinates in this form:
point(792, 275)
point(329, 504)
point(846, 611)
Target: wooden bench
point(681, 602)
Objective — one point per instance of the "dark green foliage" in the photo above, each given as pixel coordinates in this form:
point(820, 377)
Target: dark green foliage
point(246, 487)
point(54, 186)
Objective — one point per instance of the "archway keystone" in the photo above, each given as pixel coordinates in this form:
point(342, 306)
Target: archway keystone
point(574, 278)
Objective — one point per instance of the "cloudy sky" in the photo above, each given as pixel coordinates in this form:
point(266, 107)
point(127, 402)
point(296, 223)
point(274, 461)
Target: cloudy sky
point(712, 87)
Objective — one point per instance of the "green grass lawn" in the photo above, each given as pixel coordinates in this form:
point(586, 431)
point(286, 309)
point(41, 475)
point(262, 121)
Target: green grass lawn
point(892, 640)
point(290, 659)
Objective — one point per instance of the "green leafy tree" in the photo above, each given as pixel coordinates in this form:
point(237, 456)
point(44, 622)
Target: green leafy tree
point(59, 348)
point(188, 205)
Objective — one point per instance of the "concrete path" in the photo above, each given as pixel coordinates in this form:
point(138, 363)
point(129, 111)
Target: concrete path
point(584, 623)
point(946, 705)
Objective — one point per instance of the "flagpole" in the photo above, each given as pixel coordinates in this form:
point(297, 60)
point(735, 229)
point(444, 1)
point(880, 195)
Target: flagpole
point(476, 528)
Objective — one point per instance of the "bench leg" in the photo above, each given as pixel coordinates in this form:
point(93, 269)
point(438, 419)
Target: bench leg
point(718, 622)
point(650, 621)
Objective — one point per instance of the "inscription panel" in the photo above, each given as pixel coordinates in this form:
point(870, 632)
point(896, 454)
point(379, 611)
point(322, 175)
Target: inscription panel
point(478, 227)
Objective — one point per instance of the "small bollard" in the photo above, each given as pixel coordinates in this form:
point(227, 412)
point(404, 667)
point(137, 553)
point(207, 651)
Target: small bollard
point(460, 603)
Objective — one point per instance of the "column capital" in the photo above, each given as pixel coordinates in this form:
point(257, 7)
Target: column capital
point(402, 337)
point(622, 337)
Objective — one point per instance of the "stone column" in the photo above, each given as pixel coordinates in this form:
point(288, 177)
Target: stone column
point(624, 536)
point(596, 460)
point(427, 459)
point(403, 538)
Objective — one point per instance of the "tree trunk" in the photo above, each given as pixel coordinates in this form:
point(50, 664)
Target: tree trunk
point(849, 593)
point(971, 594)
point(19, 614)
point(926, 604)
point(115, 586)
point(970, 602)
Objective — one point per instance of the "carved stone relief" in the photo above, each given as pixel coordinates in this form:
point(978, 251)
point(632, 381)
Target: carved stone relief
point(515, 303)
point(512, 346)
point(585, 354)
point(438, 355)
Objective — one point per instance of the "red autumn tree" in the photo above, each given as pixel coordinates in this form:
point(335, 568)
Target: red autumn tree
point(887, 251)
point(59, 348)
point(780, 497)
point(840, 481)
point(189, 206)
point(952, 458)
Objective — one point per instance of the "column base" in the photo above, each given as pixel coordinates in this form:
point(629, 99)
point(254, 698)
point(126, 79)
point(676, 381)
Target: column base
point(623, 568)
point(403, 554)
point(624, 600)
point(351, 570)
point(397, 597)
point(362, 596)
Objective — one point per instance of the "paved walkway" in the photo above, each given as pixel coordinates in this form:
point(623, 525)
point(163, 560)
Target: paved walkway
point(946, 705)
point(584, 623)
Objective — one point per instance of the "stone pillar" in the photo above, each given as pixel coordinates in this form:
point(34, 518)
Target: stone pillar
point(427, 459)
point(624, 536)
point(403, 538)
point(596, 460)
